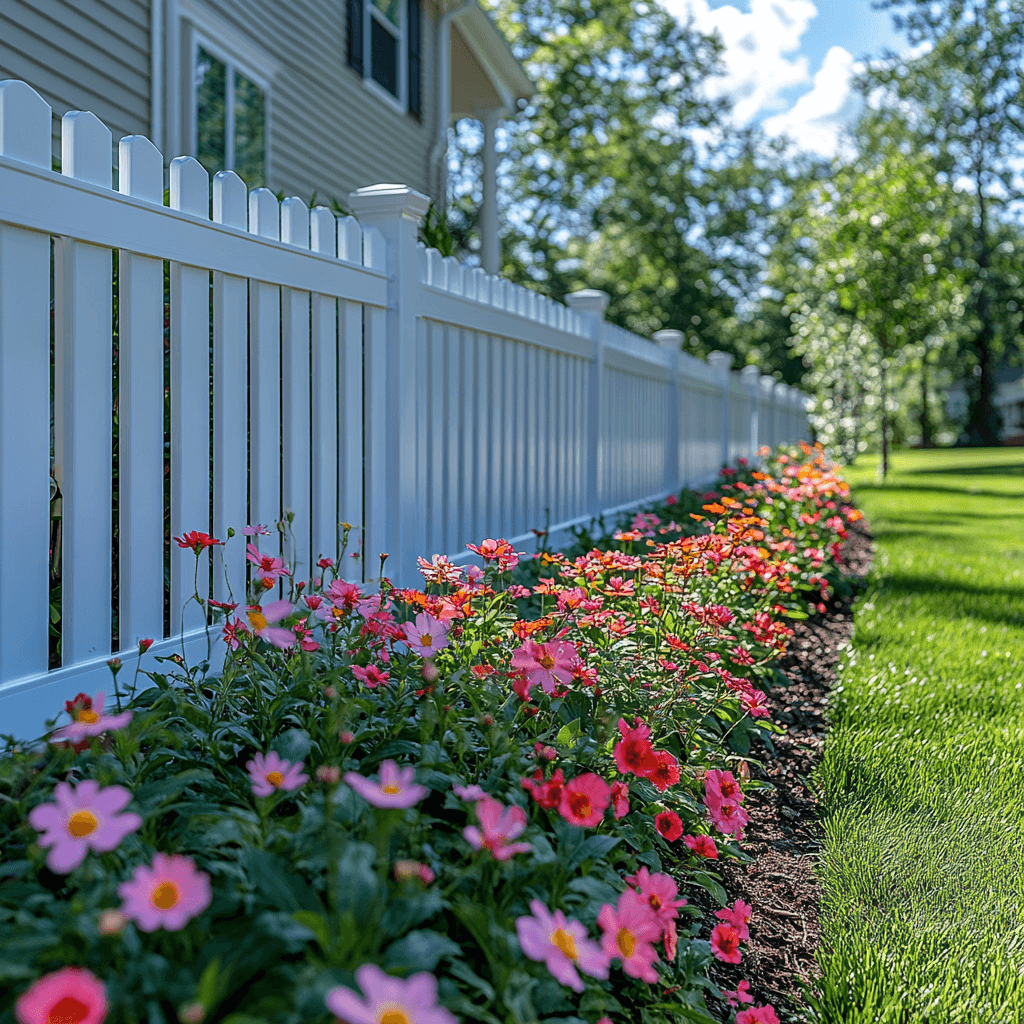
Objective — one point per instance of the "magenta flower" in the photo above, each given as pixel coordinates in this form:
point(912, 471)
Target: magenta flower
point(561, 944)
point(268, 567)
point(90, 721)
point(738, 996)
point(545, 665)
point(725, 943)
point(372, 676)
point(498, 826)
point(630, 930)
point(427, 635)
point(472, 793)
point(82, 819)
point(758, 1015)
point(396, 787)
point(256, 531)
point(260, 621)
point(661, 893)
point(584, 800)
point(72, 995)
point(168, 894)
point(738, 915)
point(271, 773)
point(389, 1000)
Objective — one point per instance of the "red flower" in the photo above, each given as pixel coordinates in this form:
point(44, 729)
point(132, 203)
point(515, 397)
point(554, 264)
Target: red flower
point(669, 824)
point(584, 800)
point(620, 799)
point(547, 794)
point(634, 753)
point(703, 846)
point(665, 772)
point(725, 943)
point(197, 541)
point(144, 645)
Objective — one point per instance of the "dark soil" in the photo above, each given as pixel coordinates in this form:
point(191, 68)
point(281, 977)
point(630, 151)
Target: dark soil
point(784, 835)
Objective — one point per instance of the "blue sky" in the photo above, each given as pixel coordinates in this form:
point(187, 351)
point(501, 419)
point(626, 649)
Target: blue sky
point(790, 61)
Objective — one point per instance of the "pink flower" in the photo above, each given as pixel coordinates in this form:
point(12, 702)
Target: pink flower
point(232, 633)
point(661, 893)
point(740, 996)
point(472, 793)
point(703, 846)
point(545, 665)
point(634, 753)
point(721, 787)
point(669, 824)
point(725, 943)
point(406, 869)
point(561, 944)
point(427, 636)
point(89, 720)
point(758, 1015)
point(738, 915)
point(498, 826)
point(166, 895)
point(71, 995)
point(584, 800)
point(388, 1000)
point(81, 819)
point(271, 773)
point(396, 786)
point(729, 819)
point(372, 676)
point(259, 621)
point(255, 531)
point(367, 606)
point(269, 567)
point(620, 799)
point(630, 931)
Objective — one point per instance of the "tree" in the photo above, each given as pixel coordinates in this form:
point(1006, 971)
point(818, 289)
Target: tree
point(962, 103)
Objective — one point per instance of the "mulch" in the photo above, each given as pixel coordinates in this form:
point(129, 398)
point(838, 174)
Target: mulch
point(784, 836)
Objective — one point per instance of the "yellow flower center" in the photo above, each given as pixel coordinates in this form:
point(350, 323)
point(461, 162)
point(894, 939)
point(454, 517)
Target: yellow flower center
point(82, 823)
point(546, 662)
point(257, 620)
point(564, 941)
point(626, 941)
point(394, 1016)
point(275, 779)
point(426, 640)
point(391, 789)
point(88, 716)
point(165, 895)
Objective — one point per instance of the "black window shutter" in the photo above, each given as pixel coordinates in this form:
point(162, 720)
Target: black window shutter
point(413, 26)
point(354, 34)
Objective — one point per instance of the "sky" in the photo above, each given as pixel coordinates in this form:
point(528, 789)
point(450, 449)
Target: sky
point(790, 61)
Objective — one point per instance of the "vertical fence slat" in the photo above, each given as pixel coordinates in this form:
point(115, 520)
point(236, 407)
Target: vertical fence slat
point(439, 407)
point(375, 412)
point(351, 507)
point(264, 377)
point(24, 403)
point(324, 398)
point(295, 385)
point(190, 400)
point(83, 423)
point(230, 412)
point(140, 410)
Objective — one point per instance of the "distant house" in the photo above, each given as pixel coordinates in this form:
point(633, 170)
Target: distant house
point(304, 96)
point(1008, 399)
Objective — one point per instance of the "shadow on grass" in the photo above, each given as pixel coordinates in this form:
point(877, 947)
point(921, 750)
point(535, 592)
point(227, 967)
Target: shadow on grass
point(958, 599)
point(916, 488)
point(985, 469)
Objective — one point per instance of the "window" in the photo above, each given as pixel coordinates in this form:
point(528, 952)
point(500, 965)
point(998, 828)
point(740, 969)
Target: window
point(384, 47)
point(229, 117)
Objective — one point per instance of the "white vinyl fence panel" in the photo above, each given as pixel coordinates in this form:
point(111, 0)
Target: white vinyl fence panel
point(319, 370)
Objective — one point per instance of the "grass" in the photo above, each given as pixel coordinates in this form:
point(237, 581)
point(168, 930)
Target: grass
point(923, 774)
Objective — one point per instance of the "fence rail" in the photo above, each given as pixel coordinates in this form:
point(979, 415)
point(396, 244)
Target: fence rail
point(334, 369)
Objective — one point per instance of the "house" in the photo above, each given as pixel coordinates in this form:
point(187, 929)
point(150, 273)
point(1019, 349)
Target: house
point(302, 96)
point(1008, 399)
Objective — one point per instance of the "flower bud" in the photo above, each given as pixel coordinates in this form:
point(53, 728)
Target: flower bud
point(193, 1013)
point(144, 645)
point(111, 922)
point(346, 737)
point(429, 671)
point(328, 775)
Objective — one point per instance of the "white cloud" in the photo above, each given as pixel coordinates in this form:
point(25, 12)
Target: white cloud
point(762, 46)
point(816, 120)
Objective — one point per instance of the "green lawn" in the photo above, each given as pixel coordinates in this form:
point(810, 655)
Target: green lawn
point(923, 775)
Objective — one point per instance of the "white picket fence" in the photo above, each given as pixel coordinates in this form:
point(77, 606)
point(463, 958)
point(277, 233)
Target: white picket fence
point(331, 368)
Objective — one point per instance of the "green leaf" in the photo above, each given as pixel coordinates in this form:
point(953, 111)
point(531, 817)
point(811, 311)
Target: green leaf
point(317, 924)
point(275, 879)
point(420, 951)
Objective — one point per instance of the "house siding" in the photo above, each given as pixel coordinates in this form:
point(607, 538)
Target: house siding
point(86, 55)
point(328, 132)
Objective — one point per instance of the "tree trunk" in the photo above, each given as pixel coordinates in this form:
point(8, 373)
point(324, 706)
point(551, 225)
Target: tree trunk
point(926, 422)
point(885, 423)
point(983, 424)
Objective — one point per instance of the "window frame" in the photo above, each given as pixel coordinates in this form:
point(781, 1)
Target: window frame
point(198, 37)
point(370, 11)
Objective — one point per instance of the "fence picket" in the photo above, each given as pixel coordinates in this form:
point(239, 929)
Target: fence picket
point(24, 403)
point(230, 415)
point(140, 410)
point(83, 401)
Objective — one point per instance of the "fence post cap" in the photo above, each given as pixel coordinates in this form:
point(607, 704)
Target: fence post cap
point(669, 338)
point(588, 300)
point(388, 200)
point(767, 383)
point(751, 373)
point(720, 361)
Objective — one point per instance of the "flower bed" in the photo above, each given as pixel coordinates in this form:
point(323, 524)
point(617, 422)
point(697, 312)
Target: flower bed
point(483, 801)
